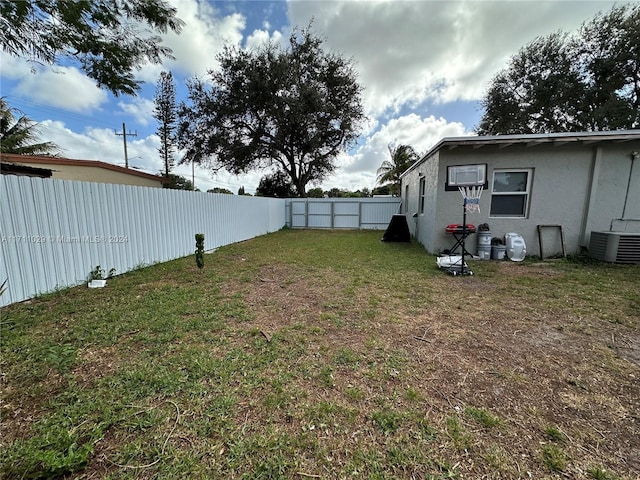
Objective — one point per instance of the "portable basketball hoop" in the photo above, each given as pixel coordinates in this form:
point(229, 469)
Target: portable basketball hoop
point(471, 203)
point(471, 197)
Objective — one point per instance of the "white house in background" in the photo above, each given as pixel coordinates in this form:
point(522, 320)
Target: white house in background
point(583, 182)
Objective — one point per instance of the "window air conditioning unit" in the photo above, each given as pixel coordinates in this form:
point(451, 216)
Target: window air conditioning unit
point(615, 247)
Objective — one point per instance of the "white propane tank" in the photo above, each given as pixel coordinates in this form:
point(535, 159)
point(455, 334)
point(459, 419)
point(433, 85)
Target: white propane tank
point(516, 248)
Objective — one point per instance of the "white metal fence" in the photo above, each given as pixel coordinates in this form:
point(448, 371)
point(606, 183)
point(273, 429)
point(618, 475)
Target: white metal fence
point(360, 213)
point(54, 232)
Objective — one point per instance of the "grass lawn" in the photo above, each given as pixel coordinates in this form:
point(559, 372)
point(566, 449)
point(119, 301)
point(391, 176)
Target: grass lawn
point(327, 354)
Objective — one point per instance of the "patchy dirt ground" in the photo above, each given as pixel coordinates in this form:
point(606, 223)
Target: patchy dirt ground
point(551, 376)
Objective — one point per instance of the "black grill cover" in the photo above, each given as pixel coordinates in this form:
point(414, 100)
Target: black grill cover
point(398, 230)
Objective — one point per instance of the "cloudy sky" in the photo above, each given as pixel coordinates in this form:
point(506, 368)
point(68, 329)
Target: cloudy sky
point(424, 66)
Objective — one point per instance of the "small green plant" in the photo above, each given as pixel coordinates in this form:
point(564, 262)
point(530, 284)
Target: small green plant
point(98, 273)
point(61, 358)
point(599, 473)
point(456, 432)
point(326, 376)
point(346, 357)
point(554, 458)
point(200, 250)
point(554, 433)
point(412, 394)
point(54, 455)
point(483, 417)
point(387, 420)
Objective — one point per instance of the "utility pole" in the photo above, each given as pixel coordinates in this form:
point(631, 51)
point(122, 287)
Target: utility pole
point(124, 135)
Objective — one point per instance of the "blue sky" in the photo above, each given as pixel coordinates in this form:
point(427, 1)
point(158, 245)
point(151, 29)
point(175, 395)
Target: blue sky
point(424, 66)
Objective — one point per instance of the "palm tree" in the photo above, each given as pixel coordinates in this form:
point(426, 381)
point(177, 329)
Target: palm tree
point(402, 157)
point(20, 136)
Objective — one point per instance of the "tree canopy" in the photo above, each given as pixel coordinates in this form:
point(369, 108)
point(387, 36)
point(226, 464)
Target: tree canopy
point(177, 182)
point(316, 192)
point(402, 157)
point(226, 191)
point(562, 83)
point(107, 39)
point(19, 134)
point(293, 109)
point(277, 185)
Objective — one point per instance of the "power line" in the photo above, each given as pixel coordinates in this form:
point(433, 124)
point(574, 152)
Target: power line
point(55, 113)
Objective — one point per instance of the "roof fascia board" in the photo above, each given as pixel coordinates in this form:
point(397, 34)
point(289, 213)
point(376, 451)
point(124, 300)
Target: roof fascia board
point(504, 141)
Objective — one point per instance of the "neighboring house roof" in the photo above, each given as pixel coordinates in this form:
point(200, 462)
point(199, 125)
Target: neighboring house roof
point(24, 170)
point(529, 140)
point(8, 157)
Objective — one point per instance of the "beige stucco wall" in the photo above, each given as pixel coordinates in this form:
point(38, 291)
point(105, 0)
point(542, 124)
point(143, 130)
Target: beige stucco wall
point(581, 187)
point(422, 225)
point(94, 174)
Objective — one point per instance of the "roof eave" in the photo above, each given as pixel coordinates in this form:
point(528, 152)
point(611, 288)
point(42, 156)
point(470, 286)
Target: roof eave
point(528, 139)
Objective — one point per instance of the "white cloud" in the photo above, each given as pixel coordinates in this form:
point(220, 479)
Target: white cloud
point(359, 169)
point(409, 52)
point(261, 37)
point(56, 86)
point(93, 144)
point(139, 108)
point(205, 32)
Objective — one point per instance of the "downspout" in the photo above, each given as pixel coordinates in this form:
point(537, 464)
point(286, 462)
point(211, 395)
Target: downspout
point(590, 199)
point(634, 157)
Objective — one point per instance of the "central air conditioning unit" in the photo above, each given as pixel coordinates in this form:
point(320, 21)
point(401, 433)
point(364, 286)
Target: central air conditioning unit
point(615, 247)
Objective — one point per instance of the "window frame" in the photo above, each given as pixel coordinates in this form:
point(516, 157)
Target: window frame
point(526, 193)
point(406, 199)
point(421, 194)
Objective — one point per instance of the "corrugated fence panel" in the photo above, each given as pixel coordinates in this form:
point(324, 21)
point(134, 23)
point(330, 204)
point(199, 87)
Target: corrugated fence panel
point(54, 232)
point(298, 213)
point(319, 213)
point(377, 213)
point(346, 214)
point(360, 213)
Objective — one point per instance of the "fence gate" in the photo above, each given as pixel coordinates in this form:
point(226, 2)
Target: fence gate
point(354, 213)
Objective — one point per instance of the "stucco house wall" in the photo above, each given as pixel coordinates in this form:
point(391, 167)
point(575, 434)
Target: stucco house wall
point(87, 170)
point(581, 185)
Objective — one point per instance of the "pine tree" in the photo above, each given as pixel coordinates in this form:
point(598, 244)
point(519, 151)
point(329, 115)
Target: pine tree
point(165, 113)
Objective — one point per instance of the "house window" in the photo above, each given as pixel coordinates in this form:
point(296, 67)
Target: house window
point(406, 199)
point(421, 197)
point(510, 193)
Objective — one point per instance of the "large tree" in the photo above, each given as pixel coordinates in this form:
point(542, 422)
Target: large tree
point(178, 182)
point(401, 158)
point(165, 112)
point(293, 109)
point(19, 134)
point(107, 39)
point(565, 83)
